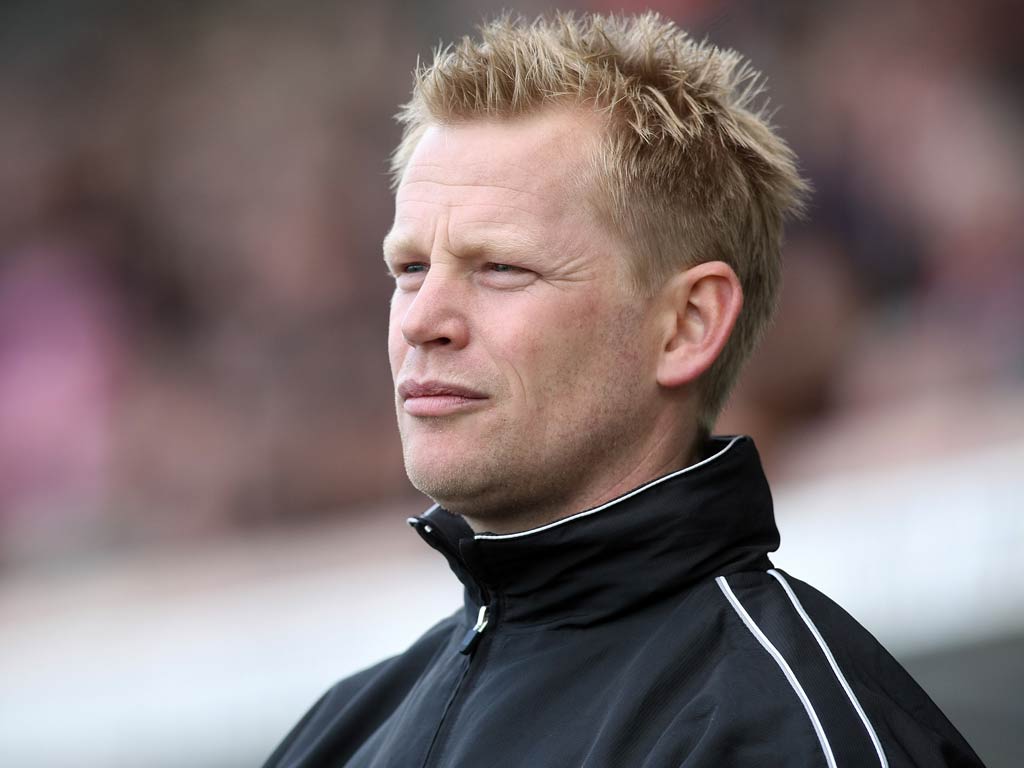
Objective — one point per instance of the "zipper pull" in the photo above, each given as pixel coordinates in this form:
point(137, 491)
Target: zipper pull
point(472, 636)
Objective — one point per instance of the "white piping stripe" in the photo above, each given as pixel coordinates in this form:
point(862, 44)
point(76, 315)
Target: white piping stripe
point(774, 652)
point(588, 512)
point(832, 663)
point(432, 508)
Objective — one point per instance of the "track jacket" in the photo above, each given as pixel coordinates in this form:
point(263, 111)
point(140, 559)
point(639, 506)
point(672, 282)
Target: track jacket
point(648, 632)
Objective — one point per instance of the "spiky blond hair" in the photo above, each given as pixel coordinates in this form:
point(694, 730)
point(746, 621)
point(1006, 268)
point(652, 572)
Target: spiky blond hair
point(688, 171)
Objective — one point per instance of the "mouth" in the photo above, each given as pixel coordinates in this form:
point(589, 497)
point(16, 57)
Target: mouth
point(437, 398)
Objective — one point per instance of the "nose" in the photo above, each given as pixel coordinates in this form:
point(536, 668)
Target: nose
point(436, 316)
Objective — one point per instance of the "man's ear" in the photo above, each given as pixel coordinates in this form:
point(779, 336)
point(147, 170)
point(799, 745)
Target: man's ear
point(701, 307)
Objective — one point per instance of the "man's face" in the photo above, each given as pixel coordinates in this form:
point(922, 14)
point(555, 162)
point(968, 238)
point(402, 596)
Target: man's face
point(523, 362)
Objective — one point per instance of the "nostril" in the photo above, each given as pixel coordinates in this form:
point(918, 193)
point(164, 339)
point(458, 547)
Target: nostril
point(440, 341)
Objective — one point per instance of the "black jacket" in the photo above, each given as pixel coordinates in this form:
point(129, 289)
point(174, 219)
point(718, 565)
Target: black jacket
point(651, 631)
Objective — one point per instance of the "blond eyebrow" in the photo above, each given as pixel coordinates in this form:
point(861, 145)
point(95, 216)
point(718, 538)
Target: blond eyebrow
point(498, 248)
point(395, 242)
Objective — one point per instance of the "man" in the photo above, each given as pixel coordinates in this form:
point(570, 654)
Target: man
point(585, 248)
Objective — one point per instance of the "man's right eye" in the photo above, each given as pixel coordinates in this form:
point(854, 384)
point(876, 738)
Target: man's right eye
point(410, 275)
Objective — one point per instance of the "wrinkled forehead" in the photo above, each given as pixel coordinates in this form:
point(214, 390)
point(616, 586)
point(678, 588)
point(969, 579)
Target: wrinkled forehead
point(541, 155)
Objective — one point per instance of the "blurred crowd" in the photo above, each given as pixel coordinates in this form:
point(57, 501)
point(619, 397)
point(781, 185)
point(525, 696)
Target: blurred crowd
point(193, 305)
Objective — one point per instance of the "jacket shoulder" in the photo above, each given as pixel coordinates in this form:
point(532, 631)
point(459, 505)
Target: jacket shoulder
point(859, 703)
point(371, 694)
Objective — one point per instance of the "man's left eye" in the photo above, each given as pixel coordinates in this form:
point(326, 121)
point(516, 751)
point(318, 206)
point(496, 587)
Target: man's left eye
point(500, 275)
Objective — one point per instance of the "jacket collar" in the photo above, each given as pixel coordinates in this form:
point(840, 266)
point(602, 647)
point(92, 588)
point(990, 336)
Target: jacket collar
point(714, 517)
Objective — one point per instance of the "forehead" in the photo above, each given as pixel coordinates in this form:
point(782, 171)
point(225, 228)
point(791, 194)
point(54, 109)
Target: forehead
point(551, 141)
point(517, 173)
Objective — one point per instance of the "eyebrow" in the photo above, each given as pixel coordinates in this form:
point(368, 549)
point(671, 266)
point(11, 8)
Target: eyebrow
point(395, 242)
point(499, 248)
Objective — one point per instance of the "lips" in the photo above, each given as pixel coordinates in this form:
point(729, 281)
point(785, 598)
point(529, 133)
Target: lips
point(437, 398)
point(415, 389)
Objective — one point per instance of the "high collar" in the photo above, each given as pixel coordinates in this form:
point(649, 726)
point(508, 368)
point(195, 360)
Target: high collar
point(711, 518)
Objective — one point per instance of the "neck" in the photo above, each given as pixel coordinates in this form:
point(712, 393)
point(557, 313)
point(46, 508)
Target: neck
point(667, 453)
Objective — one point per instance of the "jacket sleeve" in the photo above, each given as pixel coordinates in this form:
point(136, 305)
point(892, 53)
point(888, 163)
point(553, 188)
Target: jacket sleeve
point(807, 685)
point(910, 728)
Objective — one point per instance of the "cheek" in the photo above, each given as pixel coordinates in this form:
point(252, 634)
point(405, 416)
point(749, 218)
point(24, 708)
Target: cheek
point(604, 347)
point(395, 357)
point(566, 350)
point(397, 345)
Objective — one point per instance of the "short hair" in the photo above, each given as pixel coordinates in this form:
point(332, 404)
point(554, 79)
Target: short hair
point(689, 169)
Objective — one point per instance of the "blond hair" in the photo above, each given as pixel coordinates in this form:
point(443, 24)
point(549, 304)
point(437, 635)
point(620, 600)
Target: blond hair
point(688, 171)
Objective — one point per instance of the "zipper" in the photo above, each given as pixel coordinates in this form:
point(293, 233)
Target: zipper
point(472, 637)
point(473, 645)
point(475, 652)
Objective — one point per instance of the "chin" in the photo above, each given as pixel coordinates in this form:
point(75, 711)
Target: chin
point(444, 478)
point(462, 484)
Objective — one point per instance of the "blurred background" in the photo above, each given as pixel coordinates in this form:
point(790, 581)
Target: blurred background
point(201, 489)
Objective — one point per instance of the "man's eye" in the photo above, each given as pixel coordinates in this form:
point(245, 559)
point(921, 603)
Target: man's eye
point(500, 275)
point(412, 269)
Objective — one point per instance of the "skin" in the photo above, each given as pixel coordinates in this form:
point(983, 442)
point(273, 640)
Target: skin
point(531, 380)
